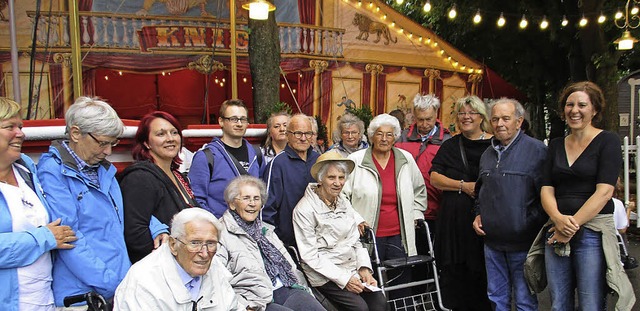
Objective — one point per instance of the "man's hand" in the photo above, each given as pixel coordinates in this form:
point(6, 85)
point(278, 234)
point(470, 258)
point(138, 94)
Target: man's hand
point(557, 237)
point(160, 239)
point(355, 285)
point(63, 234)
point(477, 226)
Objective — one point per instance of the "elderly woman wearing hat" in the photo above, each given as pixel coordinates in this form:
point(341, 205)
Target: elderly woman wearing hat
point(326, 229)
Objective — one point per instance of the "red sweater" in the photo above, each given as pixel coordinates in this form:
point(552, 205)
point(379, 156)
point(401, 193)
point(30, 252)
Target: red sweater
point(389, 220)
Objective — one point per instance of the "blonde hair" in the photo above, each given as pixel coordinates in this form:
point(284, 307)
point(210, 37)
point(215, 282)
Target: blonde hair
point(478, 105)
point(9, 108)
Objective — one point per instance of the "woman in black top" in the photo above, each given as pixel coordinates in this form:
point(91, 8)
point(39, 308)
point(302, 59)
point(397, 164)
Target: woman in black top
point(152, 188)
point(459, 251)
point(580, 176)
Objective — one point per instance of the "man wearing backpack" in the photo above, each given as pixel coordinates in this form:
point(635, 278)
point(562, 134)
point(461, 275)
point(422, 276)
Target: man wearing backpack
point(225, 158)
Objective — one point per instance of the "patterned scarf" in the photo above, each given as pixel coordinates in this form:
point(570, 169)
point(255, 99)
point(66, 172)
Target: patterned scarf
point(274, 262)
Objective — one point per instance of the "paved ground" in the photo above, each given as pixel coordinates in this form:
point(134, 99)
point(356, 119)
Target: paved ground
point(634, 274)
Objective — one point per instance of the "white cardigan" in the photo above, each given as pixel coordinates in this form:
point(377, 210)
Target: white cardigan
point(363, 190)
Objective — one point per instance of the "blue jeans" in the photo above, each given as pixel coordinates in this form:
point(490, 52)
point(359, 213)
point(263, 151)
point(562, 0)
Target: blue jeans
point(584, 269)
point(505, 273)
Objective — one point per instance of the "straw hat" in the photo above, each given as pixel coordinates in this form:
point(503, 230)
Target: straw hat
point(331, 156)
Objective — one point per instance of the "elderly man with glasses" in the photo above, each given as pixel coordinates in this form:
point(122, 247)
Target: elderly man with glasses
point(183, 274)
point(287, 177)
point(216, 164)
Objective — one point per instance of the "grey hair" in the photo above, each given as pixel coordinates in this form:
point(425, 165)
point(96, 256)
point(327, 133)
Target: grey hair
point(520, 112)
point(478, 105)
point(93, 115)
point(314, 124)
point(187, 215)
point(345, 121)
point(340, 165)
point(381, 120)
point(233, 189)
point(424, 102)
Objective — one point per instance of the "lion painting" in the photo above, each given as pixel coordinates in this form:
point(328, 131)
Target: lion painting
point(367, 26)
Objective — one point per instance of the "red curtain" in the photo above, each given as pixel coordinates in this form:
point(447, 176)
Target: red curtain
point(366, 89)
point(381, 81)
point(307, 9)
point(305, 94)
point(55, 77)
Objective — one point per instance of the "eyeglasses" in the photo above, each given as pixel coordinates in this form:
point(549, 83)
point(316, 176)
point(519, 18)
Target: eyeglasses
point(104, 144)
point(354, 133)
point(236, 119)
point(249, 199)
point(196, 246)
point(472, 114)
point(388, 135)
point(299, 134)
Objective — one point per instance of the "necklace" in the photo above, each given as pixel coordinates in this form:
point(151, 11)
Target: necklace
point(482, 135)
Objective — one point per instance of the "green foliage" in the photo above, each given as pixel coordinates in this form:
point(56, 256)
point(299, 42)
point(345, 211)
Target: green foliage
point(273, 108)
point(363, 113)
point(322, 131)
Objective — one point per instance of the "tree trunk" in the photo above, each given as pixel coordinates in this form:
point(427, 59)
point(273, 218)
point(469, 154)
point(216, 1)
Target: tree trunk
point(264, 61)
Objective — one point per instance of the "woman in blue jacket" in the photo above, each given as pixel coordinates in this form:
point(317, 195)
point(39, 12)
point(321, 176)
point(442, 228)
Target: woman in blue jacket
point(81, 188)
point(26, 235)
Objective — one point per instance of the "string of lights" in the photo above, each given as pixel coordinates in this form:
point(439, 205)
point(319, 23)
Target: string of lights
point(503, 19)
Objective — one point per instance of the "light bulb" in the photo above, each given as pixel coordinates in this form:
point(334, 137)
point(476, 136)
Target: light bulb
point(501, 20)
point(544, 23)
point(477, 19)
point(427, 7)
point(564, 22)
point(399, 1)
point(601, 18)
point(634, 10)
point(452, 12)
point(618, 15)
point(523, 22)
point(583, 21)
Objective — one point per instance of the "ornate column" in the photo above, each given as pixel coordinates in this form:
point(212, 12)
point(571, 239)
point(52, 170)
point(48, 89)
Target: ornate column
point(374, 70)
point(206, 65)
point(432, 75)
point(474, 79)
point(319, 67)
point(67, 92)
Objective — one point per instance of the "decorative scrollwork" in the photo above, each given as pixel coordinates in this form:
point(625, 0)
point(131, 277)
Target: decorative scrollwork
point(206, 65)
point(374, 69)
point(319, 65)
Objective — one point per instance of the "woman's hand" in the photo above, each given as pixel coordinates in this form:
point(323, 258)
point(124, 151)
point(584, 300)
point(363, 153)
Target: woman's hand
point(160, 239)
point(557, 237)
point(362, 226)
point(63, 234)
point(566, 225)
point(469, 187)
point(367, 277)
point(355, 285)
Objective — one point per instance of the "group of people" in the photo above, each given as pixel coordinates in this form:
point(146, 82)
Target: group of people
point(509, 215)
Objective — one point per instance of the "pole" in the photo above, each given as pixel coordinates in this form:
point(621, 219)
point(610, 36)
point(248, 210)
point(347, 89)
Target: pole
point(15, 69)
point(74, 36)
point(234, 64)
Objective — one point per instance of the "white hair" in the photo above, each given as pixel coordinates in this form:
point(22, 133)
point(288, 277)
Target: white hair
point(92, 115)
point(381, 120)
point(187, 215)
point(424, 102)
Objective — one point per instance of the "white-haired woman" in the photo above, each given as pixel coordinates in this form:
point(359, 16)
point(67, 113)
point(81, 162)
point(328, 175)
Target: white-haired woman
point(454, 170)
point(264, 274)
point(81, 189)
point(387, 189)
point(326, 229)
point(26, 234)
point(349, 134)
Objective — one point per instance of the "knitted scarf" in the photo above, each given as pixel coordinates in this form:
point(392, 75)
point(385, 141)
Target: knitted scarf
point(274, 262)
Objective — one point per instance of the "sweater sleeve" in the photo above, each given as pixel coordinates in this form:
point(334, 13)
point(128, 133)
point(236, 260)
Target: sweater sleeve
point(140, 195)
